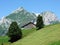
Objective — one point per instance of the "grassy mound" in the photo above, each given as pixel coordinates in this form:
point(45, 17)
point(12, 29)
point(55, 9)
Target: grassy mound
point(43, 36)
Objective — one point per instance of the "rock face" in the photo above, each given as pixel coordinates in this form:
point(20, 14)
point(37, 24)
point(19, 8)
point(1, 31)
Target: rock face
point(49, 17)
point(5, 22)
point(4, 25)
point(20, 15)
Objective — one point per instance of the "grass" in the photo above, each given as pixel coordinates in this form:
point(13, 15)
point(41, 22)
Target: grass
point(4, 40)
point(25, 32)
point(55, 43)
point(43, 36)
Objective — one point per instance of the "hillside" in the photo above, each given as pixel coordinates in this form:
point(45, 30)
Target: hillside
point(22, 17)
point(45, 36)
point(25, 32)
point(49, 17)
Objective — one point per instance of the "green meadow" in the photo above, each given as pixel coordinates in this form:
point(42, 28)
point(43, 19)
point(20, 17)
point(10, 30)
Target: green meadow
point(49, 35)
point(46, 36)
point(25, 32)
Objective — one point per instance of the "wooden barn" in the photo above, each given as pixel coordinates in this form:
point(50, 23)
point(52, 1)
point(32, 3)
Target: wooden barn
point(29, 25)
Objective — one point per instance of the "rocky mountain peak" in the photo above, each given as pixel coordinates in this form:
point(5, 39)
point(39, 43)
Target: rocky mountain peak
point(18, 10)
point(22, 17)
point(48, 17)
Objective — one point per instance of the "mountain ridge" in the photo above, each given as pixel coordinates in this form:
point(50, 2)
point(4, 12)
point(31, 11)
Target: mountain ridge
point(22, 17)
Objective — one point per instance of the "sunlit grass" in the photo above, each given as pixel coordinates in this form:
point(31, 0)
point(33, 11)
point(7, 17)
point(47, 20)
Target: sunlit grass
point(41, 37)
point(25, 32)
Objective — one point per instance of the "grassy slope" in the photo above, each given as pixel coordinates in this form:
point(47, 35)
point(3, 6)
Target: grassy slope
point(44, 36)
point(55, 43)
point(25, 32)
point(4, 40)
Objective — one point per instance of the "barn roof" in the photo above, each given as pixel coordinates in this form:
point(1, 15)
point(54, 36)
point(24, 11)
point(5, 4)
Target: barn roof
point(27, 24)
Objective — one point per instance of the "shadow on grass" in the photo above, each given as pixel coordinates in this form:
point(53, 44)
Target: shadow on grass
point(55, 43)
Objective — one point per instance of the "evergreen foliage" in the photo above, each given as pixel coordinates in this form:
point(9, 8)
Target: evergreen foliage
point(14, 32)
point(39, 23)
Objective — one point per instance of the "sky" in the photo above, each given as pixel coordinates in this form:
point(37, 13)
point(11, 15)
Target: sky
point(37, 6)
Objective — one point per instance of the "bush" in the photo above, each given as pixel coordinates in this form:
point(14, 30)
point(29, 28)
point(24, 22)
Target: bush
point(14, 32)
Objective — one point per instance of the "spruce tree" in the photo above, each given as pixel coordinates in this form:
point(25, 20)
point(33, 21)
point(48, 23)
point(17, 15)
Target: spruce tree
point(39, 23)
point(14, 32)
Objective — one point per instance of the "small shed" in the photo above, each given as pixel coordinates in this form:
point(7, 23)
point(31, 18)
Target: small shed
point(29, 25)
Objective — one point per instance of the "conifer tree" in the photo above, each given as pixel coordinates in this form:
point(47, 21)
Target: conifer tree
point(39, 23)
point(14, 32)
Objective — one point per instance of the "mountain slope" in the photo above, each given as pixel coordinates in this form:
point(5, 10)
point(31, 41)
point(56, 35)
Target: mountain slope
point(21, 16)
point(44, 36)
point(4, 25)
point(49, 17)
